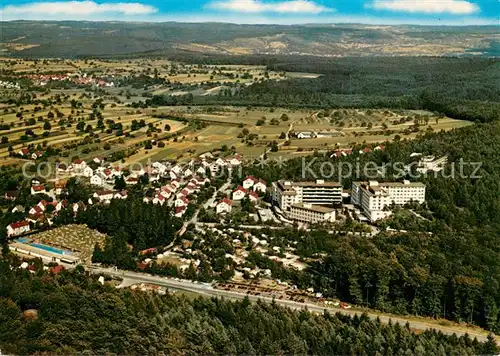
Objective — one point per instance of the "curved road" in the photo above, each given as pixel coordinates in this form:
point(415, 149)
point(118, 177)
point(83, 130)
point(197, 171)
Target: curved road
point(207, 290)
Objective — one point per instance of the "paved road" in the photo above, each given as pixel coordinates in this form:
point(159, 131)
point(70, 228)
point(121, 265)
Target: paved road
point(207, 290)
point(194, 219)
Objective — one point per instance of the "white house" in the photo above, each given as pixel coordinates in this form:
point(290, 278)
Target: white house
point(18, 228)
point(305, 134)
point(201, 171)
point(79, 165)
point(96, 180)
point(61, 205)
point(206, 155)
point(254, 197)
point(179, 211)
point(239, 193)
point(88, 172)
point(224, 206)
point(181, 201)
point(165, 193)
point(80, 206)
point(131, 181)
point(159, 199)
point(220, 162)
point(188, 173)
point(175, 183)
point(260, 186)
point(249, 182)
point(98, 160)
point(176, 169)
point(104, 195)
point(121, 195)
point(235, 161)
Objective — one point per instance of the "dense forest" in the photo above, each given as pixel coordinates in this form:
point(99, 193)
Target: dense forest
point(71, 313)
point(462, 88)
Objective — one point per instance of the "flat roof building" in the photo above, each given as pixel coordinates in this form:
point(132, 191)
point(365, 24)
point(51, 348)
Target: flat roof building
point(373, 197)
point(43, 252)
point(311, 213)
point(287, 193)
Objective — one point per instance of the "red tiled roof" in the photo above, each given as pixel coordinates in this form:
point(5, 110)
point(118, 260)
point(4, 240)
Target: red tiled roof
point(227, 201)
point(38, 188)
point(180, 209)
point(255, 180)
point(57, 269)
point(148, 251)
point(19, 224)
point(240, 188)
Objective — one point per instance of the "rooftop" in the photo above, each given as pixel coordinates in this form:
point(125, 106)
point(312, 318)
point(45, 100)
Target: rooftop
point(315, 208)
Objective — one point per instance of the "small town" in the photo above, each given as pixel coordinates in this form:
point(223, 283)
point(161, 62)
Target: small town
point(249, 177)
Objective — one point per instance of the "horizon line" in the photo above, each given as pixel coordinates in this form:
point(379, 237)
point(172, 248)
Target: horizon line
point(258, 24)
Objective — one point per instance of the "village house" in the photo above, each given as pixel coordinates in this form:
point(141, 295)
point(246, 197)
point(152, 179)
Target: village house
point(220, 162)
point(235, 161)
point(36, 210)
point(159, 199)
point(97, 180)
point(176, 169)
point(260, 186)
point(88, 172)
point(201, 171)
point(18, 209)
point(305, 135)
point(80, 206)
point(239, 193)
point(38, 189)
point(62, 168)
point(180, 211)
point(206, 155)
point(104, 195)
point(121, 195)
point(249, 182)
point(181, 201)
point(61, 205)
point(131, 181)
point(18, 228)
point(79, 165)
point(224, 206)
point(175, 183)
point(98, 160)
point(254, 197)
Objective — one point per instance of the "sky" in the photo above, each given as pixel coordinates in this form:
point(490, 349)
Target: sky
point(390, 12)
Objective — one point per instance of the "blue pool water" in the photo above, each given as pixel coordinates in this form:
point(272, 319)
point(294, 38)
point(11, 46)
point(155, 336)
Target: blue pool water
point(27, 241)
point(50, 249)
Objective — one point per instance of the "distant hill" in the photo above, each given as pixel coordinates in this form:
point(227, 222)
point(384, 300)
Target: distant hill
point(82, 38)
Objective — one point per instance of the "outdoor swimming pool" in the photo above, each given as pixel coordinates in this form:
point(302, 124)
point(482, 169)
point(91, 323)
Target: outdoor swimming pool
point(50, 249)
point(27, 241)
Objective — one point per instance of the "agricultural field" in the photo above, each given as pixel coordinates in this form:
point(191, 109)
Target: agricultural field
point(87, 108)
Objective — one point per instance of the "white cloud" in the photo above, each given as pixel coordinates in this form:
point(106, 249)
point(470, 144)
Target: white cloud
point(72, 9)
point(456, 7)
point(257, 6)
